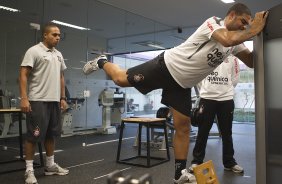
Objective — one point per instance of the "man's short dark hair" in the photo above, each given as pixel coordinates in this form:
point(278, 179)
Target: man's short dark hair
point(47, 27)
point(239, 9)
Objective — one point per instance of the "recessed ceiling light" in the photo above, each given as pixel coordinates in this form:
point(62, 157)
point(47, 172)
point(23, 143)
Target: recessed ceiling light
point(9, 9)
point(69, 25)
point(228, 1)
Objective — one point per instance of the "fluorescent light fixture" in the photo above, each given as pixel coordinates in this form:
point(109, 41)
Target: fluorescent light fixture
point(9, 9)
point(228, 1)
point(150, 44)
point(155, 46)
point(69, 25)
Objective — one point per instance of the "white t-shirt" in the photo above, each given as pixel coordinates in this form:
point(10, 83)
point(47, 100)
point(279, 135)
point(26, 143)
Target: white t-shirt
point(219, 85)
point(199, 55)
point(44, 82)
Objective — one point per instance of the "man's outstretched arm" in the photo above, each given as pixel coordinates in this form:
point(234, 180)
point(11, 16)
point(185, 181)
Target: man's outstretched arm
point(231, 38)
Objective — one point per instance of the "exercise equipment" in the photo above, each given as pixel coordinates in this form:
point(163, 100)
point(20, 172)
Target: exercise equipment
point(268, 101)
point(106, 99)
point(118, 108)
point(205, 173)
point(66, 118)
point(7, 121)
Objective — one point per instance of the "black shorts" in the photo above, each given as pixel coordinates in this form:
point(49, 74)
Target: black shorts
point(155, 75)
point(44, 121)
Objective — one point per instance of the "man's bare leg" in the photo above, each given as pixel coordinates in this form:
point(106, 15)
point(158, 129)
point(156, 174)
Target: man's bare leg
point(49, 145)
point(181, 141)
point(29, 156)
point(117, 74)
point(29, 150)
point(52, 168)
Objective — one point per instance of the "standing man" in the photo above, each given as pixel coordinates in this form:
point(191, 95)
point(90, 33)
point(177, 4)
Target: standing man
point(184, 66)
point(217, 93)
point(42, 90)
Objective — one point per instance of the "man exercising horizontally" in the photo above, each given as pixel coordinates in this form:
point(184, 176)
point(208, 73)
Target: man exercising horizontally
point(182, 67)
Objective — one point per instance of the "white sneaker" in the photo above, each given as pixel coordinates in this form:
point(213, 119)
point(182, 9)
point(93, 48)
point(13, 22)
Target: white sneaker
point(30, 178)
point(56, 170)
point(236, 168)
point(92, 65)
point(186, 178)
point(191, 168)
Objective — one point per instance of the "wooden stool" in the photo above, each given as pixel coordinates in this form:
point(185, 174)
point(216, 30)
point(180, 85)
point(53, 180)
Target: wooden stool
point(205, 173)
point(147, 122)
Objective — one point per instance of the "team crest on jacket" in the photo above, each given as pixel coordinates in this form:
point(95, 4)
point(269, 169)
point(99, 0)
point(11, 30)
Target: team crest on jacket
point(36, 132)
point(138, 78)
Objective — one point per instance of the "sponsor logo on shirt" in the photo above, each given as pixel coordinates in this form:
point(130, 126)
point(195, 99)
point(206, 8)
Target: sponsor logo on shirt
point(236, 66)
point(210, 26)
point(213, 78)
point(215, 58)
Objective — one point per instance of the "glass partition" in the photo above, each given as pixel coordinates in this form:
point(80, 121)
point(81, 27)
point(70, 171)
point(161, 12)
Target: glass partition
point(108, 30)
point(17, 35)
point(244, 93)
